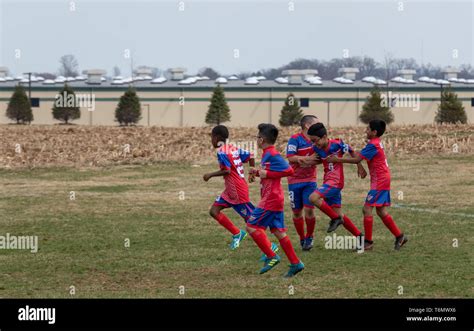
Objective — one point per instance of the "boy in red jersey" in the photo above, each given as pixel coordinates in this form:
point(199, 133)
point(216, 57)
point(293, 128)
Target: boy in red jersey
point(379, 194)
point(236, 193)
point(302, 183)
point(328, 197)
point(269, 212)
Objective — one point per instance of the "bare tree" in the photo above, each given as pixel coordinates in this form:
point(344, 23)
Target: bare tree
point(116, 71)
point(69, 66)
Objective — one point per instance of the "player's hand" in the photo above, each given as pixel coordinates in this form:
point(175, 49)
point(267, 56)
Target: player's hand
point(332, 159)
point(262, 173)
point(252, 173)
point(361, 172)
point(206, 177)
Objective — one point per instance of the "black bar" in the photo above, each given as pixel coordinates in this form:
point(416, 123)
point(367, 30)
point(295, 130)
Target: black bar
point(291, 314)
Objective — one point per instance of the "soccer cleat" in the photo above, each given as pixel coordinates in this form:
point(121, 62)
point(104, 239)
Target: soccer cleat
point(308, 244)
point(270, 263)
point(302, 243)
point(275, 249)
point(294, 269)
point(333, 224)
point(368, 245)
point(400, 241)
point(236, 239)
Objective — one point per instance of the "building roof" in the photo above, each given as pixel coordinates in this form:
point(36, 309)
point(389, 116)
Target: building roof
point(231, 85)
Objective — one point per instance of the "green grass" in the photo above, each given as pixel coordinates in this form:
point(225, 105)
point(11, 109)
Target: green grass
point(174, 242)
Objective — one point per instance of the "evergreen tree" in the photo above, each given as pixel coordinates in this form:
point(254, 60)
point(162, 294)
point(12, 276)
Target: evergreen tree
point(128, 110)
point(376, 107)
point(450, 110)
point(218, 111)
point(19, 107)
point(64, 108)
point(291, 113)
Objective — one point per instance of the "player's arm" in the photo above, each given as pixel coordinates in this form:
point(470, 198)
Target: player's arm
point(354, 160)
point(249, 158)
point(361, 172)
point(278, 168)
point(224, 164)
point(218, 173)
point(291, 153)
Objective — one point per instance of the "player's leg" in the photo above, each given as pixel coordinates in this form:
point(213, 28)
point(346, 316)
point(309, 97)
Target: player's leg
point(317, 199)
point(216, 212)
point(310, 219)
point(400, 238)
point(256, 226)
point(368, 226)
point(222, 219)
point(295, 263)
point(296, 202)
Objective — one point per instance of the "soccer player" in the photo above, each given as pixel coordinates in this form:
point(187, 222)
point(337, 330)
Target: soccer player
point(303, 182)
point(379, 194)
point(269, 212)
point(236, 193)
point(328, 196)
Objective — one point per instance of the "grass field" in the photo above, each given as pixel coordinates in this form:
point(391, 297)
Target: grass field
point(174, 242)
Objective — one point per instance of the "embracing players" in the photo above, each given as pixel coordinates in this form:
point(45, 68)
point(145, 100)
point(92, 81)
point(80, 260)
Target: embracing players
point(379, 194)
point(302, 183)
point(328, 197)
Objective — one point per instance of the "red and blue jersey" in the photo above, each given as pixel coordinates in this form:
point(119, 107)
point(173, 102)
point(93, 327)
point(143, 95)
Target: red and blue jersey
point(270, 187)
point(236, 188)
point(300, 146)
point(374, 153)
point(333, 172)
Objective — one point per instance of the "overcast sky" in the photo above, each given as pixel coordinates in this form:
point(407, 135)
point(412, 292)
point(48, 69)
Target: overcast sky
point(206, 33)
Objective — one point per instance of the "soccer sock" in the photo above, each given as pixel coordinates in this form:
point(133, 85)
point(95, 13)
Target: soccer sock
point(390, 224)
point(289, 250)
point(310, 225)
point(263, 242)
point(368, 225)
point(350, 226)
point(299, 226)
point(328, 210)
point(227, 223)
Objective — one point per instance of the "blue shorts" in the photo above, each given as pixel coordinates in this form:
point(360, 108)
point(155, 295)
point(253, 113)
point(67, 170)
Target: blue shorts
point(332, 195)
point(299, 195)
point(262, 218)
point(378, 198)
point(243, 209)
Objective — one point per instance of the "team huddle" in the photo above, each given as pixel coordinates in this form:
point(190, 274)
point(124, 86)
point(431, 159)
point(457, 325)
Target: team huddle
point(305, 150)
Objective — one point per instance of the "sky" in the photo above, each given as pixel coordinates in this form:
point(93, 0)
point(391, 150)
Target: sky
point(230, 36)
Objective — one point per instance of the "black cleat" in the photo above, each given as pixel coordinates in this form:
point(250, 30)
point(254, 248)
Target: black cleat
point(368, 245)
point(303, 243)
point(333, 224)
point(400, 241)
point(308, 244)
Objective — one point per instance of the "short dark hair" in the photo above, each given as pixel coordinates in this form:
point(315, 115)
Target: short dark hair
point(268, 132)
point(317, 130)
point(306, 119)
point(221, 131)
point(378, 125)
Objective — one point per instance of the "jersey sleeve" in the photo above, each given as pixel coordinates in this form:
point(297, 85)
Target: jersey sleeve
point(245, 155)
point(292, 147)
point(345, 148)
point(368, 152)
point(224, 161)
point(279, 167)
